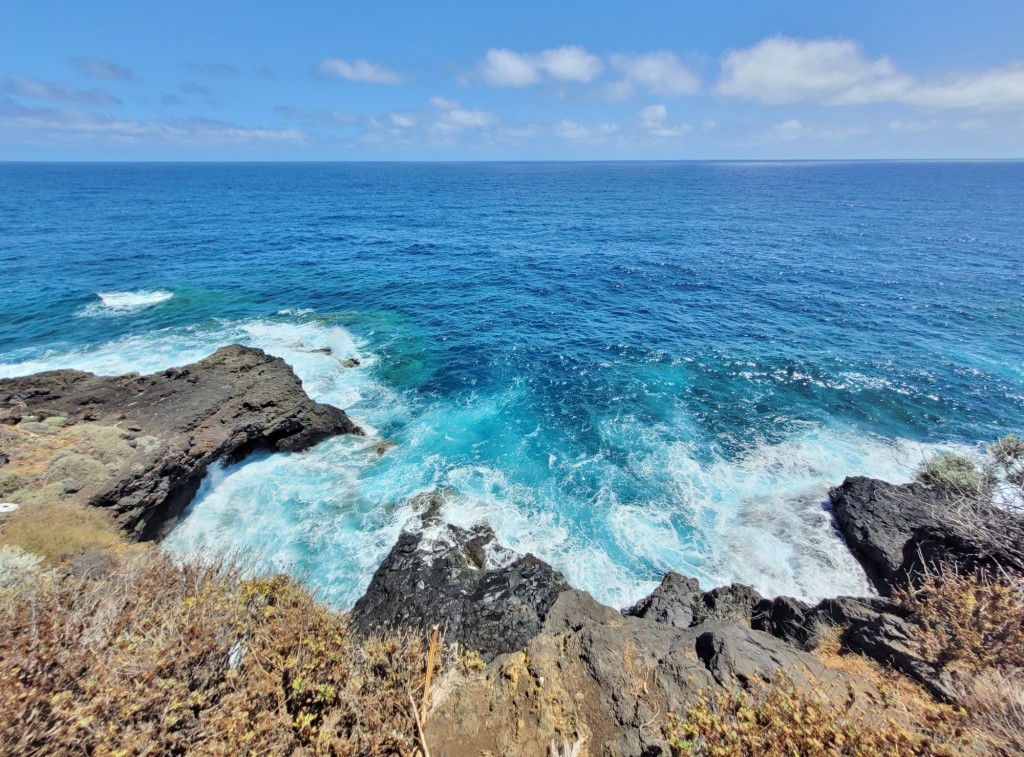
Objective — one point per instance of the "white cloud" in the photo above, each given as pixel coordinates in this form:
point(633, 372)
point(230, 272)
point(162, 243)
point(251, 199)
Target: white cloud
point(793, 130)
point(360, 70)
point(995, 89)
point(103, 69)
point(659, 73)
point(654, 118)
point(402, 120)
point(570, 63)
point(317, 119)
point(40, 90)
point(782, 70)
point(507, 68)
point(912, 127)
point(451, 116)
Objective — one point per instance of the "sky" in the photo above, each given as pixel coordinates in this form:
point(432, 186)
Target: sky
point(555, 80)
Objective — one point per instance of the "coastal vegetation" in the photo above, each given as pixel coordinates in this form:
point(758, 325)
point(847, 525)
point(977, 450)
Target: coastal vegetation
point(139, 654)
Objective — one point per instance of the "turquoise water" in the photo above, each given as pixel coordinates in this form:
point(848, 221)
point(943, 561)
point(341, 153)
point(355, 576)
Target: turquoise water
point(625, 368)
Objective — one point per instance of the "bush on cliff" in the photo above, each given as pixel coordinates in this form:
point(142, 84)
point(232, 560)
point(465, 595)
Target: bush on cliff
point(954, 473)
point(972, 621)
point(780, 719)
point(161, 658)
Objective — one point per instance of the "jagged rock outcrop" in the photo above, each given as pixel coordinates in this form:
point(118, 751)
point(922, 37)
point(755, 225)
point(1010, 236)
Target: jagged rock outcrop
point(140, 445)
point(895, 530)
point(483, 596)
point(609, 679)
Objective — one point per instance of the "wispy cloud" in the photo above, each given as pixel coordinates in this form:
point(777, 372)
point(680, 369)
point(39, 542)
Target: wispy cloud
point(507, 68)
point(654, 120)
point(193, 88)
point(34, 89)
point(450, 116)
point(103, 69)
point(577, 132)
point(782, 70)
point(212, 69)
point(660, 73)
point(360, 70)
point(75, 125)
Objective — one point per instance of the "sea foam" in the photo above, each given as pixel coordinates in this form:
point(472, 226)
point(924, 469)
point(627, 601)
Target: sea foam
point(120, 303)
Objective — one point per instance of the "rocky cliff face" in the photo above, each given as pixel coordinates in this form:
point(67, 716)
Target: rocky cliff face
point(558, 663)
point(140, 445)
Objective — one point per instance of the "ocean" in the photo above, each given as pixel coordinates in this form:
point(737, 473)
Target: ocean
point(624, 368)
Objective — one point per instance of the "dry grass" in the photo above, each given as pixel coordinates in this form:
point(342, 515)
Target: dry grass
point(900, 700)
point(972, 621)
point(59, 531)
point(995, 701)
point(780, 719)
point(161, 658)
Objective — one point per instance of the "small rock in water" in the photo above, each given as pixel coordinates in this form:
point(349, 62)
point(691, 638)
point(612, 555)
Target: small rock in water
point(352, 362)
point(383, 446)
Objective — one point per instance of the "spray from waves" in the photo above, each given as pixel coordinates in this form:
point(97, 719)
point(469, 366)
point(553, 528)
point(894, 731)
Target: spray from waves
point(341, 344)
point(122, 303)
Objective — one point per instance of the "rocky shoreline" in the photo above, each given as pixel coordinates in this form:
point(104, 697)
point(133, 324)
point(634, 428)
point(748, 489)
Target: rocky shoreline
point(138, 446)
point(548, 661)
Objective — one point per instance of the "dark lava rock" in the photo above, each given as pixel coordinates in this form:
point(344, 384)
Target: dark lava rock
point(675, 602)
point(482, 595)
point(679, 602)
point(610, 678)
point(732, 653)
point(805, 626)
point(222, 408)
point(890, 640)
point(879, 521)
point(895, 530)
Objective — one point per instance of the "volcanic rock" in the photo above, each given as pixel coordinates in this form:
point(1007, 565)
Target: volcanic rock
point(224, 407)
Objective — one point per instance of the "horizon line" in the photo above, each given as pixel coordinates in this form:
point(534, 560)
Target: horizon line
point(499, 160)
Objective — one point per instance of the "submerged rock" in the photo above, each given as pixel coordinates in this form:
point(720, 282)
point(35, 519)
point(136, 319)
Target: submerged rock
point(183, 419)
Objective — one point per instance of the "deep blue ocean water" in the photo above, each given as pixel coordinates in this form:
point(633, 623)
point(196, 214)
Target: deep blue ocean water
point(626, 368)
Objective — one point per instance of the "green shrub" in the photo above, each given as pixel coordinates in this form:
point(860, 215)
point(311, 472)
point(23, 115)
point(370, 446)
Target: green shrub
point(954, 473)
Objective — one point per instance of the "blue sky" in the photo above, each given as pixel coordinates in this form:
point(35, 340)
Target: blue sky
point(691, 79)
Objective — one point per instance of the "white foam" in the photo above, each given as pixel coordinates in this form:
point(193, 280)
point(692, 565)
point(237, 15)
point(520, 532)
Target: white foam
point(126, 302)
